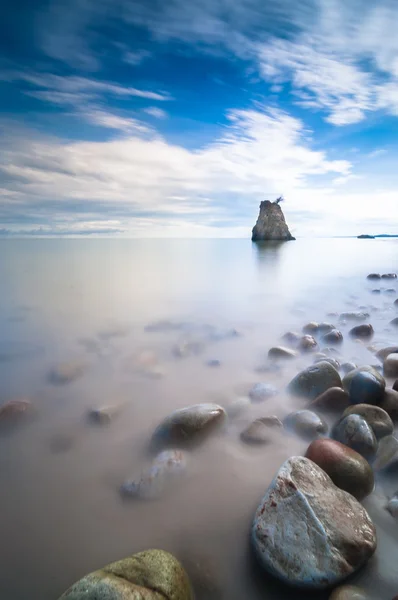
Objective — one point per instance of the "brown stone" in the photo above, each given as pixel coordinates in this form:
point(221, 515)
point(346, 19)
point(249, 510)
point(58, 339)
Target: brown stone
point(345, 467)
point(390, 403)
point(307, 344)
point(364, 332)
point(333, 337)
point(335, 399)
point(390, 365)
point(349, 592)
point(13, 411)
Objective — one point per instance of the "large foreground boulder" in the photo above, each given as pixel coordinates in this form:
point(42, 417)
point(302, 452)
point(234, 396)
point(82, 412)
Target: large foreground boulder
point(308, 532)
point(271, 224)
point(149, 575)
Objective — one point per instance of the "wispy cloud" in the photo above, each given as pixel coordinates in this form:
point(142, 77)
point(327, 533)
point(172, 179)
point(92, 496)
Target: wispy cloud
point(156, 112)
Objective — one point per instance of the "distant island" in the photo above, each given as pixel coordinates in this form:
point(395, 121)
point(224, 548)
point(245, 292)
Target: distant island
point(373, 237)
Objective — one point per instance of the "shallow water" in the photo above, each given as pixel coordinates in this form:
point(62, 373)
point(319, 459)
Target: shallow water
point(90, 302)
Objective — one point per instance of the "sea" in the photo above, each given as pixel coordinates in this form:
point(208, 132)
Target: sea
point(150, 326)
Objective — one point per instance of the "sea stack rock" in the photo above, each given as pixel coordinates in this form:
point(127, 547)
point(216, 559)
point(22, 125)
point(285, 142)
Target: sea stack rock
point(271, 224)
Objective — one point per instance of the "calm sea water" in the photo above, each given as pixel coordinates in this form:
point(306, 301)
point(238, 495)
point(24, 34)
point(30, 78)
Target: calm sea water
point(89, 302)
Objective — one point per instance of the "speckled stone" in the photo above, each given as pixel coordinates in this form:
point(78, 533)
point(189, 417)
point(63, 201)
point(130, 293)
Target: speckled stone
point(356, 433)
point(346, 468)
point(365, 385)
point(309, 533)
point(363, 332)
point(165, 469)
point(262, 391)
point(375, 416)
point(190, 424)
point(306, 424)
point(149, 575)
point(335, 399)
point(314, 380)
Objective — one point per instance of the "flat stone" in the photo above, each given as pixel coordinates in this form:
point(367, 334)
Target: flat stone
point(188, 425)
point(389, 276)
point(306, 424)
point(375, 416)
point(356, 433)
point(335, 399)
point(346, 467)
point(354, 316)
point(333, 337)
point(314, 380)
point(259, 432)
point(390, 365)
point(363, 332)
point(365, 385)
point(155, 480)
point(149, 575)
point(262, 391)
point(307, 344)
point(390, 403)
point(309, 533)
point(281, 353)
point(349, 592)
point(348, 367)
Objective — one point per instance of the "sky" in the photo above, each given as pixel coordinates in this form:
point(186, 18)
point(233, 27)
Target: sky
point(175, 119)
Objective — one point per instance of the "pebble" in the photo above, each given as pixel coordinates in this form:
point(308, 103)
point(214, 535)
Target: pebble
point(311, 328)
point(354, 316)
point(389, 276)
point(309, 533)
point(333, 361)
point(363, 332)
point(390, 403)
point(335, 399)
point(392, 506)
point(396, 302)
point(333, 337)
point(306, 424)
point(348, 592)
point(65, 373)
point(348, 367)
point(365, 385)
point(386, 453)
point(325, 327)
point(314, 380)
point(395, 385)
point(390, 365)
point(307, 344)
point(346, 467)
point(291, 337)
point(213, 362)
point(188, 425)
point(354, 432)
point(394, 322)
point(150, 575)
point(105, 414)
point(281, 352)
point(14, 411)
point(165, 469)
point(258, 432)
point(373, 276)
point(375, 416)
point(384, 352)
point(238, 406)
point(262, 391)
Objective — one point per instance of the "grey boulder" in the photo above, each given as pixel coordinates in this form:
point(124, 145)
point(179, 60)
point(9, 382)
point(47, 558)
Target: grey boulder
point(314, 380)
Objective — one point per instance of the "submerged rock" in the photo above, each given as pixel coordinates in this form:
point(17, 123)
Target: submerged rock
point(356, 433)
point(65, 373)
point(354, 316)
point(188, 425)
point(306, 424)
point(373, 276)
point(333, 337)
point(363, 332)
point(389, 276)
point(308, 532)
point(307, 343)
point(281, 353)
point(375, 416)
point(105, 414)
point(386, 453)
point(149, 575)
point(165, 469)
point(262, 391)
point(291, 337)
point(259, 432)
point(346, 467)
point(271, 224)
point(314, 380)
point(311, 328)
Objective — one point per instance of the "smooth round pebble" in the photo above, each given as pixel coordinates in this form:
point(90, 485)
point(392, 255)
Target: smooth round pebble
point(346, 467)
point(335, 399)
point(333, 337)
point(363, 332)
point(281, 353)
point(375, 416)
point(390, 365)
point(365, 386)
point(307, 344)
point(259, 432)
point(373, 276)
point(347, 367)
point(311, 328)
point(390, 403)
point(394, 322)
point(348, 592)
point(262, 391)
point(356, 433)
point(314, 380)
point(306, 424)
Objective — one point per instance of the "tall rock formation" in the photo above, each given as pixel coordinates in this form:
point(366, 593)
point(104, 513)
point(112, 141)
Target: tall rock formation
point(271, 224)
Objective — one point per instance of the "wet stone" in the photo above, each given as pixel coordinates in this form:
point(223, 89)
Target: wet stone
point(314, 380)
point(349, 592)
point(335, 399)
point(305, 424)
point(160, 476)
point(392, 506)
point(281, 353)
point(356, 433)
point(260, 431)
point(333, 337)
point(346, 467)
point(395, 385)
point(333, 361)
point(348, 367)
point(390, 403)
point(307, 344)
point(376, 417)
point(390, 365)
point(363, 332)
point(365, 385)
point(307, 532)
point(389, 276)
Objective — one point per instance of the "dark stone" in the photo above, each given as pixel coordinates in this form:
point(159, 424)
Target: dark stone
point(389, 276)
point(392, 506)
point(262, 391)
point(394, 322)
point(189, 424)
point(309, 533)
point(390, 291)
point(365, 385)
point(271, 224)
point(335, 363)
point(396, 302)
point(395, 385)
point(354, 432)
point(281, 353)
point(314, 380)
point(333, 337)
point(348, 367)
point(259, 432)
point(335, 399)
point(374, 276)
point(306, 424)
point(390, 365)
point(213, 362)
point(346, 467)
point(307, 344)
point(325, 327)
point(390, 403)
point(376, 417)
point(376, 291)
point(363, 332)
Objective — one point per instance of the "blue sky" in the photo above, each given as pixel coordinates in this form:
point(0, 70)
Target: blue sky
point(152, 118)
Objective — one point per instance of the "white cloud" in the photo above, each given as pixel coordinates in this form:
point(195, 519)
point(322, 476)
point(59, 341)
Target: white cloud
point(135, 58)
point(156, 112)
point(377, 152)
